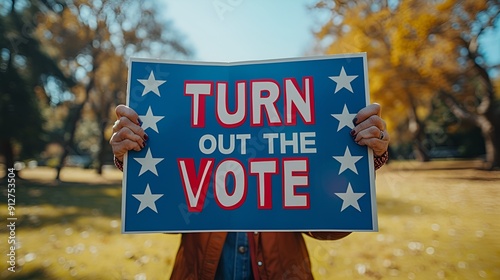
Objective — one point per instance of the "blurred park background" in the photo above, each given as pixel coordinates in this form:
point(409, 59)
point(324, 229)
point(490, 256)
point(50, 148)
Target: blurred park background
point(434, 66)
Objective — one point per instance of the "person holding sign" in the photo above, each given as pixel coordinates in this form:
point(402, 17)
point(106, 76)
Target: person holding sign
point(254, 255)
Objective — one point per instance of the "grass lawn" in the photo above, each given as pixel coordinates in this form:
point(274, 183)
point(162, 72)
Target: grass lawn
point(438, 220)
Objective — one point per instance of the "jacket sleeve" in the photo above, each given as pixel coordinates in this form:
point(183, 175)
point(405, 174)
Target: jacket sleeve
point(334, 235)
point(379, 161)
point(118, 163)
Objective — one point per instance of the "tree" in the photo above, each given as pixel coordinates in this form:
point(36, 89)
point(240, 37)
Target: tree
point(472, 82)
point(419, 50)
point(93, 39)
point(25, 68)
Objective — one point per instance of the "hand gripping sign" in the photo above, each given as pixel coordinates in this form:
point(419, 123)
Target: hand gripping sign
point(249, 146)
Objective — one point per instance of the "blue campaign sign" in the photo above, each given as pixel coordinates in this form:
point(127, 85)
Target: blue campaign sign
point(249, 146)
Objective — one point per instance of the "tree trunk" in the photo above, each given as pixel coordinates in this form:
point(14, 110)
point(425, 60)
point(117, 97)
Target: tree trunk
point(420, 152)
point(416, 127)
point(102, 151)
point(8, 152)
point(484, 117)
point(73, 123)
point(487, 127)
point(492, 159)
point(496, 148)
point(77, 115)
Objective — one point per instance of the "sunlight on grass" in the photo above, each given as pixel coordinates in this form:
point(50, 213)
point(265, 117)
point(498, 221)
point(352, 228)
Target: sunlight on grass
point(437, 220)
point(72, 230)
point(434, 223)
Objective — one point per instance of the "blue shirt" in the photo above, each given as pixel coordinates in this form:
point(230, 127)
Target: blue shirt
point(235, 260)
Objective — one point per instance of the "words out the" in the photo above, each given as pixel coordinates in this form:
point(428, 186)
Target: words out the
point(295, 142)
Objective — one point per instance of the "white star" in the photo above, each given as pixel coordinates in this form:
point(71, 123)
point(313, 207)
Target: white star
point(350, 198)
point(347, 161)
point(151, 84)
point(147, 200)
point(148, 163)
point(150, 120)
point(345, 119)
point(343, 81)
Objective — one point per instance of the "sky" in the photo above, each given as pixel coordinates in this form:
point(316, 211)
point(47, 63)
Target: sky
point(241, 30)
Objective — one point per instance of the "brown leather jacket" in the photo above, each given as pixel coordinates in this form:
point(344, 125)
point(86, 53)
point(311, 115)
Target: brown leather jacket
point(275, 255)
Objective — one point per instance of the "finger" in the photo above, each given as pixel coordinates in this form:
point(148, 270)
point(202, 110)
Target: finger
point(367, 112)
point(128, 145)
point(370, 132)
point(378, 146)
point(385, 136)
point(127, 134)
point(372, 121)
point(125, 111)
point(121, 148)
point(125, 122)
point(121, 144)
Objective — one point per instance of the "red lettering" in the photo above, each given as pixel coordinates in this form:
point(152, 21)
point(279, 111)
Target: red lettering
point(198, 90)
point(299, 101)
point(261, 104)
point(263, 98)
point(295, 174)
point(236, 198)
point(195, 186)
point(224, 116)
point(264, 169)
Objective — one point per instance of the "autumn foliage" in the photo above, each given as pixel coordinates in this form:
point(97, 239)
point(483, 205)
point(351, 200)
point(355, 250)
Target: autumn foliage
point(418, 52)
